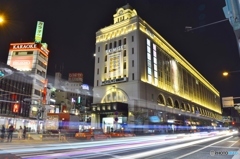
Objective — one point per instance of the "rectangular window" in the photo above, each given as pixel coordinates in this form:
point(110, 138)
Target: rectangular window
point(132, 50)
point(105, 58)
point(132, 63)
point(110, 46)
point(124, 53)
point(115, 44)
point(149, 61)
point(98, 60)
point(106, 46)
point(124, 65)
point(119, 42)
point(97, 82)
point(98, 71)
point(98, 48)
point(124, 41)
point(133, 76)
point(132, 38)
point(105, 70)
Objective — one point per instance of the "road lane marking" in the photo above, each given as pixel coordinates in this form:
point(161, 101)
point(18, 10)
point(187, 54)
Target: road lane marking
point(234, 143)
point(203, 148)
point(170, 148)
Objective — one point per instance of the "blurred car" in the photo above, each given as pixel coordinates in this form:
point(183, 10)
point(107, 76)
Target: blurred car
point(92, 134)
point(122, 133)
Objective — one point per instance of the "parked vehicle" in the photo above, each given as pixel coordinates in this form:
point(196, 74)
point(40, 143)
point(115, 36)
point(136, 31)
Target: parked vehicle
point(92, 134)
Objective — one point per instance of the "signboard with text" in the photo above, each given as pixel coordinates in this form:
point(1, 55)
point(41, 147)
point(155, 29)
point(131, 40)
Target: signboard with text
point(39, 32)
point(22, 63)
point(75, 77)
point(29, 47)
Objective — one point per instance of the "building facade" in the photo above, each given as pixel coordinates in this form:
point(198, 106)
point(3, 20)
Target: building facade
point(138, 72)
point(72, 95)
point(14, 88)
point(32, 58)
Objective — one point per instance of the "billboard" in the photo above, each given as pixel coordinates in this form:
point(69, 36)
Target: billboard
point(39, 32)
point(22, 63)
point(75, 77)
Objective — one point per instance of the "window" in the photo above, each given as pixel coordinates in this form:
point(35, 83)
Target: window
point(132, 63)
point(40, 63)
point(119, 42)
point(110, 46)
point(132, 38)
point(105, 70)
point(132, 50)
point(124, 53)
point(124, 65)
point(98, 60)
point(97, 82)
point(37, 92)
point(106, 46)
point(115, 44)
point(133, 76)
point(124, 41)
point(98, 48)
point(105, 58)
point(98, 71)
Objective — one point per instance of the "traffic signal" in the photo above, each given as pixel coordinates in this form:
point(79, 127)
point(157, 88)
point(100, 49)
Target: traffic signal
point(15, 108)
point(233, 123)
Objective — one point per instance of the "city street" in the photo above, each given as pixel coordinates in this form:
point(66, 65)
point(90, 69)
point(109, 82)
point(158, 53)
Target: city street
point(179, 146)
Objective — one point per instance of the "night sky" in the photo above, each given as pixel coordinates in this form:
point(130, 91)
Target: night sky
point(70, 27)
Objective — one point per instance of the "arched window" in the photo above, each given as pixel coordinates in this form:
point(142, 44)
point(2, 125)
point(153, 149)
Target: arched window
point(176, 104)
point(169, 102)
point(160, 99)
point(115, 95)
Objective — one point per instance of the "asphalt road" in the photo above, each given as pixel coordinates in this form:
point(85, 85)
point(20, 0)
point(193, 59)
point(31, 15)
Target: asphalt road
point(194, 146)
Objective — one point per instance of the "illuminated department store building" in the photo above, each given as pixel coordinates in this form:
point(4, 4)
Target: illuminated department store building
point(136, 70)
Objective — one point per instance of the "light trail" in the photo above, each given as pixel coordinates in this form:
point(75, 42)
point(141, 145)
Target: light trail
point(118, 145)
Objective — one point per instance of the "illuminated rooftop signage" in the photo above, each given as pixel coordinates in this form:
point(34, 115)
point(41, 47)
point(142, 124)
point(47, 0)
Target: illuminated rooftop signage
point(24, 46)
point(114, 49)
point(29, 46)
point(39, 32)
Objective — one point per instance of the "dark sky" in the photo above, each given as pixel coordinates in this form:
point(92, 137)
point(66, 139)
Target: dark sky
point(70, 27)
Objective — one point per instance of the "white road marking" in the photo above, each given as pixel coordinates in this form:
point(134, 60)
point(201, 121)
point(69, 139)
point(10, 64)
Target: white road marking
point(202, 148)
point(234, 143)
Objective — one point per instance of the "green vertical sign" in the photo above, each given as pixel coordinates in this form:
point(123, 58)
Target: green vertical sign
point(39, 32)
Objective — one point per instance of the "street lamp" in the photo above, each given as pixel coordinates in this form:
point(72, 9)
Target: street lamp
point(226, 73)
point(1, 20)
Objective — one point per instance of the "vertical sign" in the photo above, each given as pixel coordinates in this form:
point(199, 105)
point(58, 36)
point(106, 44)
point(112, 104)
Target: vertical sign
point(39, 32)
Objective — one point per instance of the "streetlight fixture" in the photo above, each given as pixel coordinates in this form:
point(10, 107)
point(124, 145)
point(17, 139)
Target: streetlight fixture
point(1, 20)
point(226, 73)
